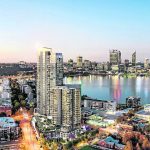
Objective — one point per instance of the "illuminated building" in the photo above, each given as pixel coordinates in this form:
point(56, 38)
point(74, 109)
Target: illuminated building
point(133, 102)
point(66, 106)
point(70, 63)
point(8, 127)
point(146, 63)
point(134, 59)
point(87, 64)
point(49, 74)
point(115, 57)
point(61, 102)
point(79, 61)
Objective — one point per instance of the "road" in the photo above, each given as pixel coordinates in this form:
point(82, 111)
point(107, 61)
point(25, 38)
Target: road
point(13, 145)
point(29, 138)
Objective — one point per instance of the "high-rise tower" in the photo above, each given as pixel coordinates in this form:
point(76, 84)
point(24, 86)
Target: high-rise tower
point(146, 63)
point(115, 57)
point(134, 58)
point(79, 61)
point(61, 102)
point(66, 106)
point(49, 74)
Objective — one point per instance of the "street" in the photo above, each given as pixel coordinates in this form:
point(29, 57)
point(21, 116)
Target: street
point(28, 141)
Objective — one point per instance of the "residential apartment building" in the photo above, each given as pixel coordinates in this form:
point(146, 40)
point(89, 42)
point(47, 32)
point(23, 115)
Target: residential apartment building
point(49, 74)
point(66, 106)
point(61, 102)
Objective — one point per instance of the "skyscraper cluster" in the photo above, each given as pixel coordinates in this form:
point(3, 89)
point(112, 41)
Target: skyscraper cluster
point(115, 57)
point(61, 102)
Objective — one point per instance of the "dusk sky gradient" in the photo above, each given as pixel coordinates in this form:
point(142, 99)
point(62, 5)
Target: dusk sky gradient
point(89, 28)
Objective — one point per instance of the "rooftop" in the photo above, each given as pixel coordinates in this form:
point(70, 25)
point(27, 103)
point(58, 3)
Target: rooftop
point(111, 141)
point(143, 112)
point(43, 123)
point(7, 122)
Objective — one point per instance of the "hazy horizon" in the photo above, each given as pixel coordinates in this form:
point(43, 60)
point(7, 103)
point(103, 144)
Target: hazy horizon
point(89, 28)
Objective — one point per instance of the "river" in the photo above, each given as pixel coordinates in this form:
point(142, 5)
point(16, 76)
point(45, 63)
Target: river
point(113, 87)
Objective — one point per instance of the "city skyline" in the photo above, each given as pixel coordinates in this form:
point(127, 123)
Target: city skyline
point(88, 28)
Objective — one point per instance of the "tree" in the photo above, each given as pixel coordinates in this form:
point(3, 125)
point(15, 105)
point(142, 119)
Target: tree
point(75, 142)
point(23, 103)
point(69, 145)
point(21, 97)
point(15, 101)
point(17, 105)
point(83, 97)
point(134, 140)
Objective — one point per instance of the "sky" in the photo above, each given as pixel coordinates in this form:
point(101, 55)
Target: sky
point(89, 28)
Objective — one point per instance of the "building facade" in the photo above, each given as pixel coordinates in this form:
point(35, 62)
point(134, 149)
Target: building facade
point(70, 63)
point(8, 129)
point(87, 64)
point(133, 102)
point(146, 63)
point(134, 59)
point(66, 106)
point(61, 102)
point(49, 74)
point(115, 57)
point(79, 61)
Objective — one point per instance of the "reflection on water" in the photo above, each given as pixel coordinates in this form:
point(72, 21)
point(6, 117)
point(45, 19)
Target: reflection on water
point(113, 87)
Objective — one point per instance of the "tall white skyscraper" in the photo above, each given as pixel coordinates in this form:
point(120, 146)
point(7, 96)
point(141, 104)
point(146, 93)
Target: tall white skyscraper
point(61, 102)
point(49, 74)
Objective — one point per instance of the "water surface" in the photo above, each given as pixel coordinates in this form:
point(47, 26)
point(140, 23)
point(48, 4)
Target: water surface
point(113, 87)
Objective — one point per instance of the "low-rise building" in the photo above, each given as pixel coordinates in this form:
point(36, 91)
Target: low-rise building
point(115, 68)
point(8, 129)
point(111, 143)
point(147, 107)
point(133, 102)
point(43, 125)
point(100, 104)
point(145, 113)
point(5, 97)
point(6, 110)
